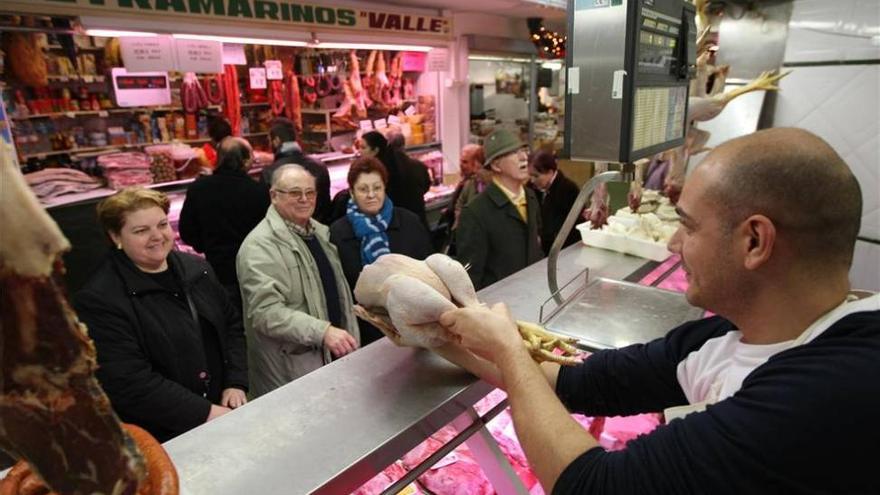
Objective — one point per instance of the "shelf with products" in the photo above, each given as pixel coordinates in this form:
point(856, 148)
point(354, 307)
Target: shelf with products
point(104, 112)
point(117, 147)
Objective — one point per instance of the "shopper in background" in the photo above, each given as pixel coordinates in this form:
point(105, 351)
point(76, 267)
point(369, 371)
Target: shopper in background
point(297, 305)
point(498, 233)
point(218, 130)
point(556, 193)
point(473, 182)
point(221, 209)
point(282, 136)
point(777, 394)
point(373, 226)
point(408, 179)
point(170, 346)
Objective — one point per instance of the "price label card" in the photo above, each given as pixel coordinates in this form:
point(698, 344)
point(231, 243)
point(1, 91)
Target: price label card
point(257, 77)
point(366, 125)
point(103, 113)
point(88, 78)
point(393, 120)
point(233, 54)
point(69, 115)
point(410, 111)
point(200, 56)
point(146, 54)
point(273, 70)
point(380, 124)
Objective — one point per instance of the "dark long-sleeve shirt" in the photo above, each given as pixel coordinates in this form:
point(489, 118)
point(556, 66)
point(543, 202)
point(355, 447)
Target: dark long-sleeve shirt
point(805, 421)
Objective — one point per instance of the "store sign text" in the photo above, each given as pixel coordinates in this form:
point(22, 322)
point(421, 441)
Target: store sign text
point(273, 11)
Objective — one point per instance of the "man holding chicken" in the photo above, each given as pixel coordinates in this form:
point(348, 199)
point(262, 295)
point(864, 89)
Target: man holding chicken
point(774, 395)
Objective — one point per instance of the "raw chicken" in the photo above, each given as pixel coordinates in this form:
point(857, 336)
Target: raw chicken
point(401, 297)
point(708, 107)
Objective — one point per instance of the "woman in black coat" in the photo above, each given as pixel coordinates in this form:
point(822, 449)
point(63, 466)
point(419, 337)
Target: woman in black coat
point(373, 226)
point(557, 194)
point(221, 209)
point(170, 346)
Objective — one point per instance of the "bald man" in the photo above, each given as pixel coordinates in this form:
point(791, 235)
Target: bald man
point(780, 393)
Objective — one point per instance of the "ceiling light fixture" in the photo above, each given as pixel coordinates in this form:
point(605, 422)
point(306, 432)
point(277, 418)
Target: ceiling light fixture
point(373, 46)
point(240, 40)
point(110, 33)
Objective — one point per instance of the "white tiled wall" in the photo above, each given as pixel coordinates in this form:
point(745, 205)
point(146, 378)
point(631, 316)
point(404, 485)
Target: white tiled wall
point(840, 103)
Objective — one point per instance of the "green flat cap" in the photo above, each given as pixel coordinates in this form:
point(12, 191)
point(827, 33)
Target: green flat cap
point(499, 143)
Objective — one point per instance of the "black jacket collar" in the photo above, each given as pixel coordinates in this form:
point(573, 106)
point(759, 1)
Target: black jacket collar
point(185, 270)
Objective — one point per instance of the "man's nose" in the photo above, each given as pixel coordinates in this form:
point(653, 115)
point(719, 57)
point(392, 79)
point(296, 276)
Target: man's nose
point(674, 244)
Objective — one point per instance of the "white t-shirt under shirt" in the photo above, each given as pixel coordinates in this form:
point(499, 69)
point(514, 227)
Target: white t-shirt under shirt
point(716, 370)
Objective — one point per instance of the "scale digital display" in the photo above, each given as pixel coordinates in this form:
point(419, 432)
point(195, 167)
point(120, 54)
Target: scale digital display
point(142, 82)
point(140, 89)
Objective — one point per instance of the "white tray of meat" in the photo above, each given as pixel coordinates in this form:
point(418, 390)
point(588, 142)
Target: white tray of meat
point(608, 239)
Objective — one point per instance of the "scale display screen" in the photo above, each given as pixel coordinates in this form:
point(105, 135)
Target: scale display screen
point(658, 116)
point(140, 89)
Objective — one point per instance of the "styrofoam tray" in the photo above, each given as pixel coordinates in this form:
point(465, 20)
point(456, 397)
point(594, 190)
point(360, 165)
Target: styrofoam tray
point(622, 244)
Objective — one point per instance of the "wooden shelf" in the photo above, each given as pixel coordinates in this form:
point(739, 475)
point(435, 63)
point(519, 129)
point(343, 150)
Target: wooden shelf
point(74, 114)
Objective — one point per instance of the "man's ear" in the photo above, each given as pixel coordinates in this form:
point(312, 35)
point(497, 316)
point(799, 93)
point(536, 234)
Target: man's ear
point(758, 235)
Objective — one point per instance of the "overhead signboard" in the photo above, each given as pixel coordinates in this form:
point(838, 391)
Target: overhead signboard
point(252, 13)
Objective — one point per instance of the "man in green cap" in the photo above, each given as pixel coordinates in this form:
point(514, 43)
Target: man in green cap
point(498, 232)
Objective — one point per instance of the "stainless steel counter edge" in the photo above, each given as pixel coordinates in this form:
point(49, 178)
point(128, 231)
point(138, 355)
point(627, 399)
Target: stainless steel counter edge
point(334, 429)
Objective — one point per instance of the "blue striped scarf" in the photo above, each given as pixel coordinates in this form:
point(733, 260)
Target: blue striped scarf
point(371, 230)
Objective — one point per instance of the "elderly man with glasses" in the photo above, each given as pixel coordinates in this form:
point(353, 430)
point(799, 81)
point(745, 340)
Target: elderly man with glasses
point(297, 305)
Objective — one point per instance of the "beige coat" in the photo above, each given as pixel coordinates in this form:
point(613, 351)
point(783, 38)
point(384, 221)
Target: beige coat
point(285, 315)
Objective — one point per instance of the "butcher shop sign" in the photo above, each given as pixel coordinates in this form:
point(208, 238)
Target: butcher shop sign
point(266, 12)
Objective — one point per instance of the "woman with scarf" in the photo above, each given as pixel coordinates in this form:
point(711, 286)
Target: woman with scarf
point(373, 226)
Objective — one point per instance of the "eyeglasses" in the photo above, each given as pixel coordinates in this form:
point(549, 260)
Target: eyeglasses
point(365, 190)
point(298, 194)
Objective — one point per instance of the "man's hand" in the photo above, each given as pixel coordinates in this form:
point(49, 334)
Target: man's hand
point(233, 398)
point(339, 341)
point(490, 334)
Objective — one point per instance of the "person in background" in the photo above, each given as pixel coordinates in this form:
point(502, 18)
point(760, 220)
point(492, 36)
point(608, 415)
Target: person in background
point(297, 305)
point(498, 233)
point(473, 182)
point(218, 130)
point(282, 135)
point(373, 226)
point(557, 194)
point(170, 346)
point(408, 179)
point(221, 209)
point(776, 394)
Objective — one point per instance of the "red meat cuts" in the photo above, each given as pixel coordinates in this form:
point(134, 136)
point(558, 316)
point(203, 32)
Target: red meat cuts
point(53, 413)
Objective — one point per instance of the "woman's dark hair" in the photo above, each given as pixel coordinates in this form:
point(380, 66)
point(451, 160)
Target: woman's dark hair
point(219, 128)
point(233, 154)
point(376, 140)
point(543, 162)
point(365, 165)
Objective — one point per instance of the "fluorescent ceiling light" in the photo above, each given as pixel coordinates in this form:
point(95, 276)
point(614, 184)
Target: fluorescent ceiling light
point(552, 65)
point(492, 58)
point(372, 46)
point(241, 40)
point(110, 33)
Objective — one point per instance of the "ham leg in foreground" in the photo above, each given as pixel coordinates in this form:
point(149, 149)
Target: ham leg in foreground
point(404, 298)
point(53, 413)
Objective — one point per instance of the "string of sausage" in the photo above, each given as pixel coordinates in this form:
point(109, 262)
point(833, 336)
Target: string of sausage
point(293, 102)
point(232, 108)
point(276, 97)
point(161, 476)
point(214, 89)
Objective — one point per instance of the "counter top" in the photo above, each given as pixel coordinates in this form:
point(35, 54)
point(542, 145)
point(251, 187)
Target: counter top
point(332, 430)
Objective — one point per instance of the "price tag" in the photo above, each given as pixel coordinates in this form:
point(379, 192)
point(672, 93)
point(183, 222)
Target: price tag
point(366, 125)
point(233, 54)
point(393, 120)
point(380, 124)
point(257, 77)
point(103, 113)
point(273, 70)
point(410, 111)
point(69, 115)
point(88, 78)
